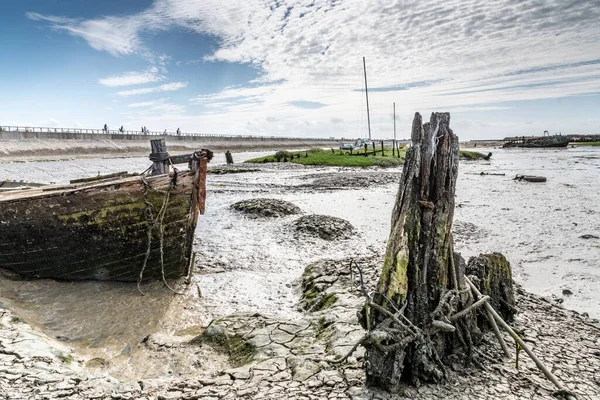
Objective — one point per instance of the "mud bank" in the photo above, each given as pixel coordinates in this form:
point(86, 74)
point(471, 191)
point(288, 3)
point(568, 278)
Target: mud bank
point(265, 339)
point(54, 149)
point(261, 357)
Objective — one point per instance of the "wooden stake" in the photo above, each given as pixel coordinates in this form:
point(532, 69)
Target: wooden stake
point(520, 341)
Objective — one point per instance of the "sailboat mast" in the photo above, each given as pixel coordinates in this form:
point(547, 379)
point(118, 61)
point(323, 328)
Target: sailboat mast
point(367, 94)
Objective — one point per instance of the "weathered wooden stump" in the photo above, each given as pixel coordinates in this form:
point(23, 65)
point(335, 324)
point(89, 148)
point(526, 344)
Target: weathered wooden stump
point(228, 157)
point(494, 279)
point(423, 309)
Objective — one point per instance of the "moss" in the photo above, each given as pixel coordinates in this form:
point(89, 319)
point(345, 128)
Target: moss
point(326, 302)
point(112, 207)
point(238, 350)
point(66, 359)
point(16, 320)
point(325, 331)
point(394, 274)
point(307, 274)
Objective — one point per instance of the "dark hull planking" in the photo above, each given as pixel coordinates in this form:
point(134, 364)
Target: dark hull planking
point(540, 142)
point(100, 231)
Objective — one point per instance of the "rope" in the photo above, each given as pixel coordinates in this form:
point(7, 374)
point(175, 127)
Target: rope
point(150, 221)
point(161, 228)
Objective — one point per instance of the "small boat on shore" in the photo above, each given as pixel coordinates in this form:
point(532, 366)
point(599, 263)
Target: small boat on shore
point(120, 227)
point(546, 140)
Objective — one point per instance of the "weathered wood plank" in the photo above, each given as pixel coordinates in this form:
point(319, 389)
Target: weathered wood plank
point(99, 231)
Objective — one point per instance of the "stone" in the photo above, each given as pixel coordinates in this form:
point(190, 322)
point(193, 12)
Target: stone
point(262, 207)
point(324, 227)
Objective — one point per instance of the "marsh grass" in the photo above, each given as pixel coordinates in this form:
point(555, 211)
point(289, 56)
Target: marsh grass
point(334, 159)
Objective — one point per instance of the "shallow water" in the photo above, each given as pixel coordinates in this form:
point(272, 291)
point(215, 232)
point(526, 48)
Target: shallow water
point(253, 264)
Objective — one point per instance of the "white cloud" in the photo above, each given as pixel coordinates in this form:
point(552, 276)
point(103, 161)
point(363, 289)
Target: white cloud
point(133, 78)
point(161, 106)
point(50, 18)
point(476, 53)
point(167, 87)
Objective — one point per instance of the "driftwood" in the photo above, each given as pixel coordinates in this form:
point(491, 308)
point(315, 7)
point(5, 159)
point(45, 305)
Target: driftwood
point(530, 178)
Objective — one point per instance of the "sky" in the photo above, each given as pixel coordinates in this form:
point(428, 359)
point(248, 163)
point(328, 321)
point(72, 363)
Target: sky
point(295, 67)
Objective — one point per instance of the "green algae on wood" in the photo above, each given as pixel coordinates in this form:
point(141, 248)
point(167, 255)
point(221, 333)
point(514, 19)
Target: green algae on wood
point(495, 280)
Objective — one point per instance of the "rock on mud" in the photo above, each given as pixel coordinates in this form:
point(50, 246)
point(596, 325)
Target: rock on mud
point(266, 208)
point(353, 180)
point(324, 226)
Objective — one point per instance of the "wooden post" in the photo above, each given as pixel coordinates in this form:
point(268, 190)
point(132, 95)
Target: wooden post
point(394, 148)
point(373, 148)
point(419, 267)
point(159, 156)
point(382, 153)
point(367, 95)
point(366, 147)
point(228, 157)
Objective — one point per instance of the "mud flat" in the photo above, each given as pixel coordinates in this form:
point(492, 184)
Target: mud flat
point(262, 357)
point(268, 313)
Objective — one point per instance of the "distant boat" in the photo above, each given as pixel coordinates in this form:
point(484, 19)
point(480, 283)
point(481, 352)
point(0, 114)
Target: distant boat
point(537, 141)
point(117, 227)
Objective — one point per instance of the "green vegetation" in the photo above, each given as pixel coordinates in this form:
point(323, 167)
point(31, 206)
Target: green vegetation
point(67, 359)
point(239, 351)
point(334, 158)
point(586, 143)
point(16, 320)
point(473, 155)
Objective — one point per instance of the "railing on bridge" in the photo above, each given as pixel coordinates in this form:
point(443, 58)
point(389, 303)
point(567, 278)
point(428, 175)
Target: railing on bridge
point(35, 129)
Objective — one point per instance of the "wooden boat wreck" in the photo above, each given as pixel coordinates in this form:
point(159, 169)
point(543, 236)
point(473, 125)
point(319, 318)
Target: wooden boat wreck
point(118, 227)
point(537, 141)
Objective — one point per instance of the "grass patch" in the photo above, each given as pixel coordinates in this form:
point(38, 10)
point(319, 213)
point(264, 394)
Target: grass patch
point(473, 155)
point(585, 143)
point(334, 159)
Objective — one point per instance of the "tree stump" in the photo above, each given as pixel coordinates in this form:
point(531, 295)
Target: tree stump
point(421, 287)
point(495, 280)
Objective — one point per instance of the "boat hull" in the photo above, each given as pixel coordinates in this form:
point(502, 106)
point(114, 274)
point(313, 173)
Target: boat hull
point(538, 142)
point(101, 231)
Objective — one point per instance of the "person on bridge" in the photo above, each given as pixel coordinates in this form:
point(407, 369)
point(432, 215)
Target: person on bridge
point(178, 132)
point(121, 129)
point(105, 128)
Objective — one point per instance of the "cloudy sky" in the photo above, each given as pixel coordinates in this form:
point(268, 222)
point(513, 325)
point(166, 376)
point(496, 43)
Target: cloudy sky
point(294, 68)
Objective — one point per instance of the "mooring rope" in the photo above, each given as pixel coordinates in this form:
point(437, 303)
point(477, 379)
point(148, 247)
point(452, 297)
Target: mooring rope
point(150, 222)
point(161, 229)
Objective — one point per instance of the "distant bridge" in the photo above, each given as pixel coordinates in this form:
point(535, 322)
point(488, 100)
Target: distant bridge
point(24, 132)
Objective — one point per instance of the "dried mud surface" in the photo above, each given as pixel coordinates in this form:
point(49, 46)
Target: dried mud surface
point(261, 357)
point(271, 338)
